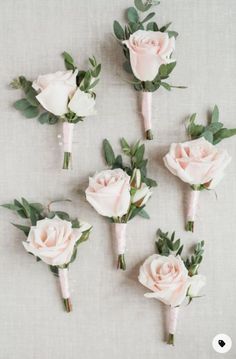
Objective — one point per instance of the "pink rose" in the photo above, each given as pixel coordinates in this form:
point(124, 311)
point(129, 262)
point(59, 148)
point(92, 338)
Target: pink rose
point(148, 51)
point(55, 90)
point(197, 162)
point(53, 240)
point(109, 192)
point(167, 277)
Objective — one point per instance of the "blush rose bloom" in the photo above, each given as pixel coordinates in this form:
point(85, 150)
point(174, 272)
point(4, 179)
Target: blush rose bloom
point(197, 162)
point(148, 51)
point(167, 277)
point(55, 90)
point(109, 192)
point(53, 240)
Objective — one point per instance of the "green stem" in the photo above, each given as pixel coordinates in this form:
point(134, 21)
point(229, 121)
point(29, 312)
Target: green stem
point(121, 262)
point(149, 135)
point(67, 305)
point(67, 160)
point(190, 226)
point(170, 340)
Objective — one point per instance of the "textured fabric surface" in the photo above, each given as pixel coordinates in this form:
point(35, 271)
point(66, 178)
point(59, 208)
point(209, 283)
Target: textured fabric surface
point(111, 317)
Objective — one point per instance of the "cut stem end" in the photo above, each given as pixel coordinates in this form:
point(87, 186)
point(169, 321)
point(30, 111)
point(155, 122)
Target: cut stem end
point(67, 305)
point(170, 340)
point(121, 262)
point(190, 226)
point(67, 160)
point(149, 135)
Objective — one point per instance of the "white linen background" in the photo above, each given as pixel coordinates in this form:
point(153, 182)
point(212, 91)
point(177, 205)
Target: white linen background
point(111, 317)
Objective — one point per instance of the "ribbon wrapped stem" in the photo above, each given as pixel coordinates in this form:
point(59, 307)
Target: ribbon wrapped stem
point(147, 114)
point(192, 209)
point(173, 319)
point(64, 283)
point(120, 238)
point(68, 129)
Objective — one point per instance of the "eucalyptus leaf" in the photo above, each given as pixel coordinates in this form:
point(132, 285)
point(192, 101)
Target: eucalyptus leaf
point(152, 26)
point(108, 153)
point(118, 30)
point(22, 104)
point(215, 114)
point(142, 6)
point(148, 17)
point(132, 15)
point(30, 112)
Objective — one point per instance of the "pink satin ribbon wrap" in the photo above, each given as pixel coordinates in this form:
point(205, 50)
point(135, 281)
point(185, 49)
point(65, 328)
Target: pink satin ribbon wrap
point(120, 237)
point(192, 205)
point(173, 318)
point(64, 282)
point(68, 129)
point(147, 110)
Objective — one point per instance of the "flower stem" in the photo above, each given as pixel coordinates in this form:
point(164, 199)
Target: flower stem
point(67, 305)
point(121, 262)
point(190, 226)
point(67, 160)
point(170, 340)
point(149, 135)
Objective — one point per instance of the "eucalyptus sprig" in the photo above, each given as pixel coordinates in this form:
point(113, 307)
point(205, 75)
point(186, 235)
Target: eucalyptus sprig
point(137, 21)
point(166, 245)
point(214, 131)
point(54, 242)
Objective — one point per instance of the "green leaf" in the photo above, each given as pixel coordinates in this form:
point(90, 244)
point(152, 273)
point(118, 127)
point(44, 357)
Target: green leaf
point(68, 60)
point(31, 97)
point(12, 207)
point(108, 153)
point(118, 162)
point(30, 112)
point(166, 86)
point(148, 17)
point(215, 114)
point(125, 146)
point(37, 206)
point(152, 26)
point(62, 215)
point(25, 229)
point(132, 15)
point(135, 211)
point(93, 61)
point(139, 154)
point(93, 84)
point(142, 6)
point(172, 34)
point(144, 214)
point(165, 27)
point(96, 71)
point(118, 30)
point(44, 118)
point(150, 182)
point(214, 127)
point(224, 133)
point(208, 135)
point(127, 67)
point(22, 104)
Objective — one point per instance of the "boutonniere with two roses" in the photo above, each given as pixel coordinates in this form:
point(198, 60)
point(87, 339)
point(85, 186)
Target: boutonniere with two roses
point(52, 237)
point(122, 191)
point(172, 278)
point(199, 162)
point(148, 50)
point(66, 96)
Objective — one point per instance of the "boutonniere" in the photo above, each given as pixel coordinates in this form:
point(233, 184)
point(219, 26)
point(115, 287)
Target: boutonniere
point(66, 96)
point(199, 162)
point(172, 278)
point(52, 237)
point(148, 50)
point(121, 192)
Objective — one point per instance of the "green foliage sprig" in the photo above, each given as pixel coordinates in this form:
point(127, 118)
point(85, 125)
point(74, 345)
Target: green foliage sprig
point(214, 132)
point(34, 212)
point(31, 108)
point(137, 22)
point(166, 245)
point(135, 154)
